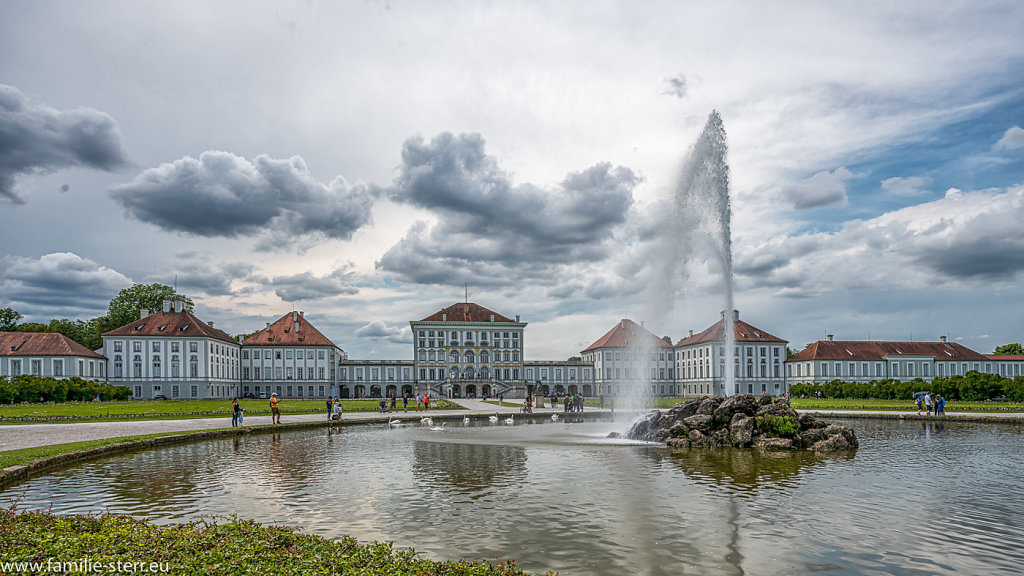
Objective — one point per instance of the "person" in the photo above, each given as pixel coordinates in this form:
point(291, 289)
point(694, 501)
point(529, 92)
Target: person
point(275, 412)
point(234, 411)
point(920, 404)
point(501, 400)
point(405, 401)
point(611, 404)
point(928, 403)
point(394, 401)
point(940, 405)
point(330, 408)
point(337, 409)
point(241, 415)
point(419, 401)
point(426, 402)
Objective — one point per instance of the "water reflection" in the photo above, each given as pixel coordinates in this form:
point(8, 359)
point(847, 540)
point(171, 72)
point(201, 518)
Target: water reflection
point(916, 498)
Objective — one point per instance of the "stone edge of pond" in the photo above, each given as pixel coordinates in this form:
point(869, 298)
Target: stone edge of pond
point(20, 472)
point(989, 418)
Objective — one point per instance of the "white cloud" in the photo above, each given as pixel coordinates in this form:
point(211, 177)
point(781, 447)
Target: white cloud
point(1012, 139)
point(911, 186)
point(59, 284)
point(819, 191)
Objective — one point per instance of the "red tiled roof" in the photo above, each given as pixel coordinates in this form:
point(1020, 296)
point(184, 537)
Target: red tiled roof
point(1005, 357)
point(463, 312)
point(627, 333)
point(42, 344)
point(283, 332)
point(742, 332)
point(171, 325)
point(874, 350)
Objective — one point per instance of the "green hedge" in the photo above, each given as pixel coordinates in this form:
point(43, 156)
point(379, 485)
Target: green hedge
point(28, 388)
point(972, 387)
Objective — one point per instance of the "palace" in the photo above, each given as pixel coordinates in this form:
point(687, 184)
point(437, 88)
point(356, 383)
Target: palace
point(466, 350)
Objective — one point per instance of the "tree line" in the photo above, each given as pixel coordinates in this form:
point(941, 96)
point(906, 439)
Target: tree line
point(28, 388)
point(974, 386)
point(123, 308)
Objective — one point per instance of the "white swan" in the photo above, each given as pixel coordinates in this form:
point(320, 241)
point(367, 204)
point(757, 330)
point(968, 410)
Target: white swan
point(510, 419)
point(554, 417)
point(394, 423)
point(426, 420)
point(493, 419)
point(465, 419)
point(438, 428)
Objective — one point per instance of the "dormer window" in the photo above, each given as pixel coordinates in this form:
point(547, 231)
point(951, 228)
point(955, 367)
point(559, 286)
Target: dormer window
point(183, 328)
point(161, 329)
point(139, 327)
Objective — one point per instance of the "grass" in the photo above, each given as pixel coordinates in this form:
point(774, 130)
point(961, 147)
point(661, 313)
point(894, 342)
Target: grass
point(24, 455)
point(505, 403)
point(166, 409)
point(208, 546)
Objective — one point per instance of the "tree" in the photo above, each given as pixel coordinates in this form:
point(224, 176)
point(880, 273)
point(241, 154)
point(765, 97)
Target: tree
point(124, 308)
point(1015, 349)
point(574, 359)
point(8, 319)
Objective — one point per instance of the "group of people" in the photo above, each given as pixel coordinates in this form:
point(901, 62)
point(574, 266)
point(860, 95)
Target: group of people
point(926, 402)
point(390, 403)
point(570, 403)
point(334, 410)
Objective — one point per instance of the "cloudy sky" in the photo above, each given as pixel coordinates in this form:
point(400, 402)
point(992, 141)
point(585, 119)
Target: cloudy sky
point(365, 161)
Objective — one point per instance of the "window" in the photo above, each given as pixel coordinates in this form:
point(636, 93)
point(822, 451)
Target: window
point(321, 355)
point(193, 347)
point(321, 373)
point(117, 347)
point(195, 391)
point(277, 354)
point(267, 373)
point(58, 367)
point(266, 354)
point(288, 355)
point(245, 354)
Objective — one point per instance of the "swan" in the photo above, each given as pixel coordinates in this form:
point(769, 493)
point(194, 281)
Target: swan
point(438, 428)
point(554, 417)
point(510, 419)
point(493, 418)
point(394, 423)
point(465, 419)
point(426, 420)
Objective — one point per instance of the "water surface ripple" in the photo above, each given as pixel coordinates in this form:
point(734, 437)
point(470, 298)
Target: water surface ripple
point(916, 498)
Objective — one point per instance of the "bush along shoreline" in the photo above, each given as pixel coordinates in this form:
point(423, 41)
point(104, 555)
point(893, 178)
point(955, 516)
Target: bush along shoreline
point(37, 541)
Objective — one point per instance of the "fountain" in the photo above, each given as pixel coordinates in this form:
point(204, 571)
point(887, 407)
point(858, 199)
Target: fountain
point(698, 223)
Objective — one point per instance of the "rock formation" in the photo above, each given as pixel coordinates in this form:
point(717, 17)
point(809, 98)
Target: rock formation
point(741, 421)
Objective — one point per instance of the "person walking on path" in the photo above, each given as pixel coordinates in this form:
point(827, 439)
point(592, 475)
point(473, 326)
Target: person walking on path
point(426, 402)
point(235, 411)
point(920, 403)
point(330, 408)
point(611, 404)
point(275, 412)
point(940, 405)
point(394, 401)
point(405, 402)
point(419, 401)
point(337, 409)
point(928, 404)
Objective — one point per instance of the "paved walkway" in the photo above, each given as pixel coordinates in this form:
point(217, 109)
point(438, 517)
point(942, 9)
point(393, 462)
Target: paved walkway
point(17, 436)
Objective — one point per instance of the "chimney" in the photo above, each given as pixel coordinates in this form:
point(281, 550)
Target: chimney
point(517, 317)
point(295, 316)
point(622, 324)
point(829, 337)
point(179, 305)
point(691, 332)
point(167, 305)
point(943, 339)
point(722, 314)
point(735, 315)
point(268, 326)
point(143, 312)
point(210, 323)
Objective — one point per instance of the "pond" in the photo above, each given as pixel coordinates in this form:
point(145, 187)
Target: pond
point(916, 498)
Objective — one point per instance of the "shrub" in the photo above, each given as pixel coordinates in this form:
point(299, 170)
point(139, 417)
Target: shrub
point(783, 426)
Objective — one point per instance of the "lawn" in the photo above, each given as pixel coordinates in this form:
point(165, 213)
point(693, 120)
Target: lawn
point(164, 409)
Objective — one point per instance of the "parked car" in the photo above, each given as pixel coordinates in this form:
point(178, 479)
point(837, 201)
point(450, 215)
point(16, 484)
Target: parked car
point(159, 397)
point(263, 395)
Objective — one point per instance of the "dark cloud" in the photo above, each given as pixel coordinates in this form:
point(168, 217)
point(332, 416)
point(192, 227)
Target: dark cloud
point(490, 231)
point(37, 139)
point(221, 194)
point(61, 284)
point(821, 190)
point(306, 286)
point(676, 86)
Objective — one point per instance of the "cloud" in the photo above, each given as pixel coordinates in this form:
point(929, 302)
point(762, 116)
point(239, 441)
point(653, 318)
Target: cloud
point(489, 231)
point(306, 286)
point(205, 277)
point(675, 86)
point(38, 139)
point(1012, 139)
point(821, 190)
point(378, 330)
point(904, 186)
point(61, 283)
point(224, 195)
